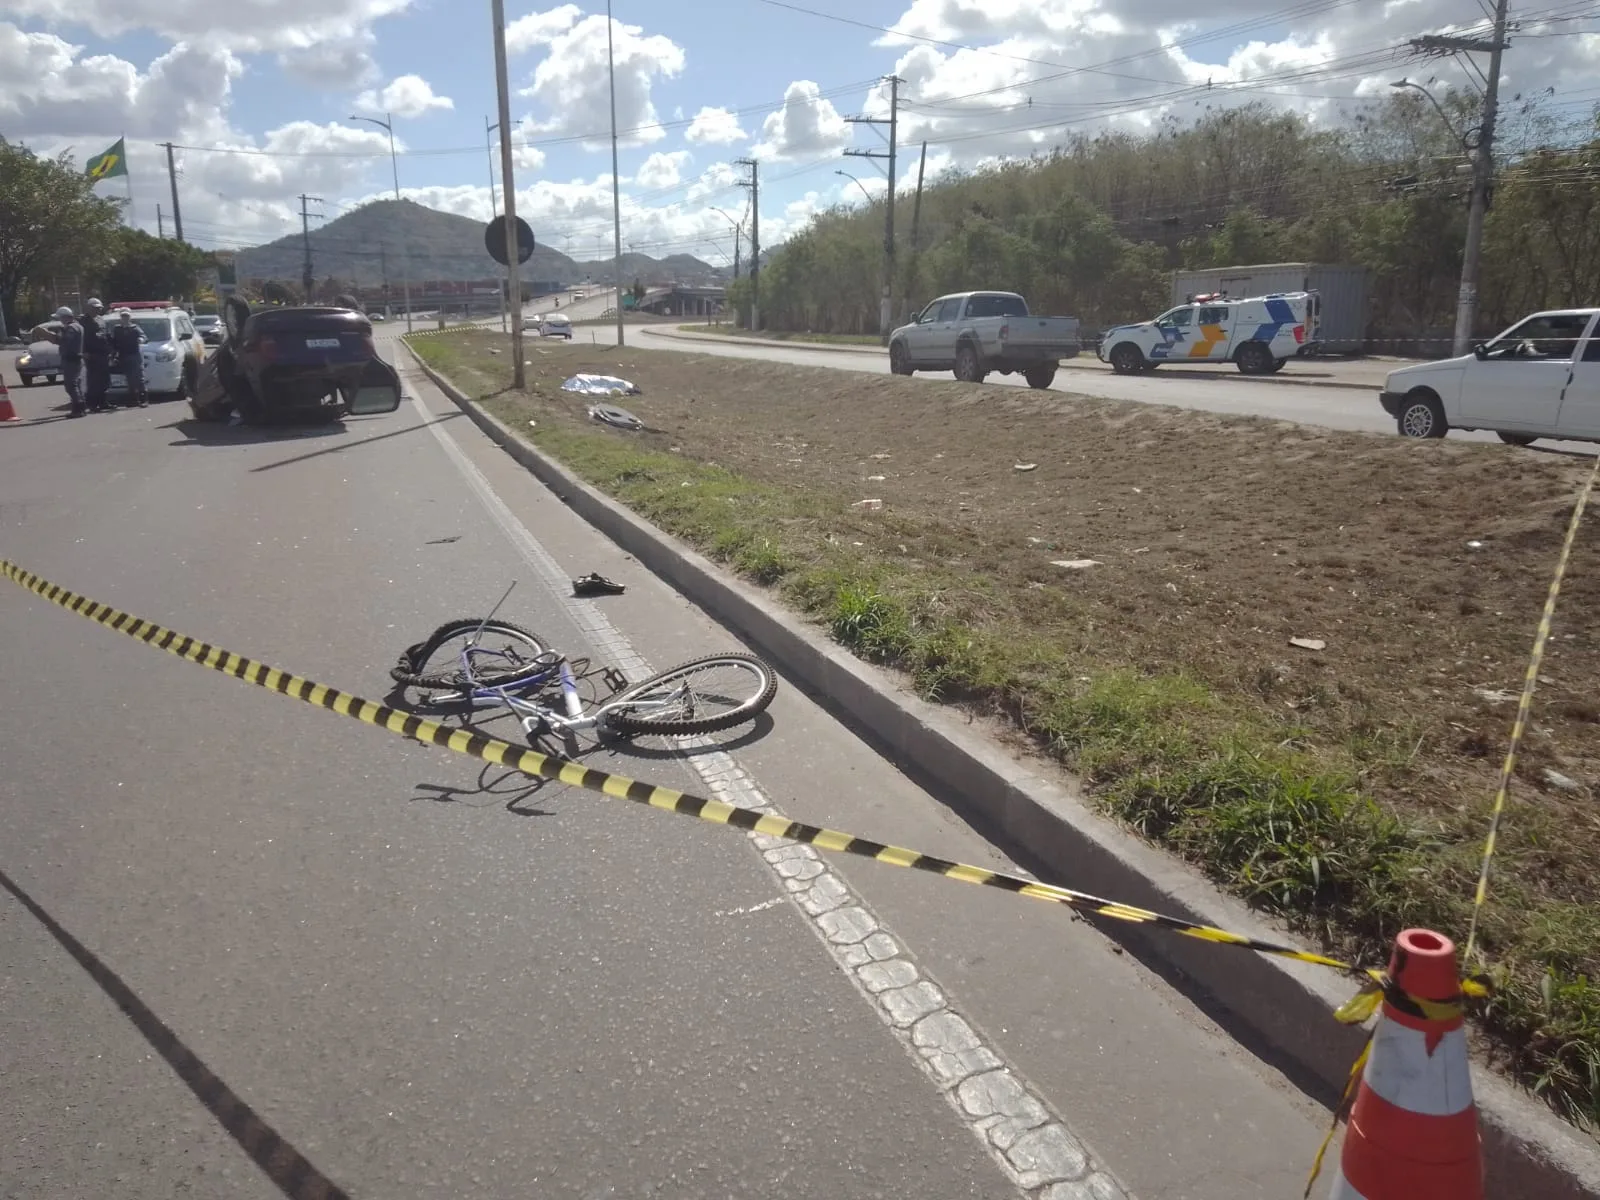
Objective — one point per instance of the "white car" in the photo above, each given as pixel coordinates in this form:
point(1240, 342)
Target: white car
point(42, 360)
point(1540, 378)
point(555, 325)
point(173, 352)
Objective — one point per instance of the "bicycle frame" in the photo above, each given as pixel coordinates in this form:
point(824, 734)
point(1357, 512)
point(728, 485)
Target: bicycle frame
point(535, 717)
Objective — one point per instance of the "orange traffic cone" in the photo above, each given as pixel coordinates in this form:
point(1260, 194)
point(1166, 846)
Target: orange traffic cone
point(8, 411)
point(1413, 1131)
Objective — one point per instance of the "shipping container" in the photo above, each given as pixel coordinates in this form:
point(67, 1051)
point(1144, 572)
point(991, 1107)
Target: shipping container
point(1343, 290)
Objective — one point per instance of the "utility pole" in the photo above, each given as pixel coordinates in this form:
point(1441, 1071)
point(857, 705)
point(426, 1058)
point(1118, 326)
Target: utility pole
point(508, 177)
point(616, 183)
point(307, 277)
point(172, 175)
point(1482, 163)
point(161, 229)
point(916, 211)
point(754, 184)
point(886, 302)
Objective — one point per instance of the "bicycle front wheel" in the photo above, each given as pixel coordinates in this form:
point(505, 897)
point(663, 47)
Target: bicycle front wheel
point(497, 654)
point(702, 696)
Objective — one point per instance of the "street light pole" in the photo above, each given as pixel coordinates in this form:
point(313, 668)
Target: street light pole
point(508, 176)
point(494, 204)
point(858, 183)
point(405, 243)
point(616, 183)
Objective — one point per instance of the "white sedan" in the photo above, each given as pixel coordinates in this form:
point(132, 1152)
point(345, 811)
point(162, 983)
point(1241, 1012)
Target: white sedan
point(555, 325)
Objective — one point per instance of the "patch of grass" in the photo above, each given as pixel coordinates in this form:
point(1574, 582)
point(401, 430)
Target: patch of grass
point(783, 335)
point(1266, 777)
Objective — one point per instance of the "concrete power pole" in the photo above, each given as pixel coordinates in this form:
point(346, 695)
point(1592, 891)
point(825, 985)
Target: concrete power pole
point(886, 301)
point(172, 176)
point(754, 184)
point(307, 276)
point(1482, 164)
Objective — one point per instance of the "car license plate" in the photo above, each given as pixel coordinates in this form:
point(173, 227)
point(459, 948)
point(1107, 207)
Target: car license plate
point(322, 343)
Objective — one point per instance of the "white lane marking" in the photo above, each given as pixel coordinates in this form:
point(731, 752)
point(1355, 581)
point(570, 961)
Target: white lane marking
point(749, 908)
point(1024, 1136)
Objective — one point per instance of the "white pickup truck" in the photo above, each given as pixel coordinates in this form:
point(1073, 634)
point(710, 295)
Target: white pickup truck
point(1540, 378)
point(974, 333)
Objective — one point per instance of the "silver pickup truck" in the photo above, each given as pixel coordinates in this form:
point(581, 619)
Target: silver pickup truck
point(973, 333)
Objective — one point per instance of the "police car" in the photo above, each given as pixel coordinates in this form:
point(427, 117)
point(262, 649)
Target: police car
point(1258, 335)
point(173, 349)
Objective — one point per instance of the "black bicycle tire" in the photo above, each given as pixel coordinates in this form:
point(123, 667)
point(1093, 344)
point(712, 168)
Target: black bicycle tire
point(408, 670)
point(624, 723)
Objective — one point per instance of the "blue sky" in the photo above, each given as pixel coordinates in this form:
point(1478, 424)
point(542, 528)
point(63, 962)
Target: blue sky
point(259, 104)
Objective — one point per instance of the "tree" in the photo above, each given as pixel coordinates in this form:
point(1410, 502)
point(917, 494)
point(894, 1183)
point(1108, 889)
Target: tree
point(50, 221)
point(144, 267)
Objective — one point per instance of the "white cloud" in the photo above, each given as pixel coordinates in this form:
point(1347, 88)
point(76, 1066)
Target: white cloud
point(244, 26)
point(406, 96)
point(540, 29)
point(1038, 71)
point(49, 89)
point(807, 126)
point(571, 83)
point(339, 65)
point(715, 126)
point(662, 170)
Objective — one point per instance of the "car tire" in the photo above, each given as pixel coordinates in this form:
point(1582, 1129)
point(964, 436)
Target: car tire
point(1040, 377)
point(1422, 416)
point(899, 359)
point(1517, 439)
point(1254, 358)
point(1126, 359)
point(969, 368)
point(27, 380)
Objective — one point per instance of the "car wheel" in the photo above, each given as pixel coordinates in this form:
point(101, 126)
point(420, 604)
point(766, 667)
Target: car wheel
point(899, 361)
point(1517, 439)
point(1040, 377)
point(1422, 416)
point(27, 380)
point(1254, 359)
point(968, 368)
point(1127, 359)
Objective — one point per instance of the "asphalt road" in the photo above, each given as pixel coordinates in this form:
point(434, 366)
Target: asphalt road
point(430, 980)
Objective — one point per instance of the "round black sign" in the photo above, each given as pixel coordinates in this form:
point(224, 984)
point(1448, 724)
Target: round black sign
point(494, 240)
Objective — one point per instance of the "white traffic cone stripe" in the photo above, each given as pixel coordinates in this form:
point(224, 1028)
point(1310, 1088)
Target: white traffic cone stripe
point(1341, 1187)
point(1402, 1071)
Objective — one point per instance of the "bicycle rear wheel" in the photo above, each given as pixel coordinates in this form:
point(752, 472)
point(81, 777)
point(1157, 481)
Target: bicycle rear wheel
point(706, 694)
point(500, 654)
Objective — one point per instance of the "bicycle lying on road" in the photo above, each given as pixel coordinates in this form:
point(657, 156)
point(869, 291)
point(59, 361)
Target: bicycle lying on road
point(501, 665)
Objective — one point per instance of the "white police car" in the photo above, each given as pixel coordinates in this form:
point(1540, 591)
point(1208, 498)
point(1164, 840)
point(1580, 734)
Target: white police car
point(173, 349)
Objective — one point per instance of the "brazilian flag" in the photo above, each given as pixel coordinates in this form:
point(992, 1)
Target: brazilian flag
point(112, 163)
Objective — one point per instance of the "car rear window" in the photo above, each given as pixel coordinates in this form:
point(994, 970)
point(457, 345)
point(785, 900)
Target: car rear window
point(996, 306)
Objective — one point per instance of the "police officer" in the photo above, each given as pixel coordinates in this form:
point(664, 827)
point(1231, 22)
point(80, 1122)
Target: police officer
point(126, 338)
point(69, 340)
point(96, 356)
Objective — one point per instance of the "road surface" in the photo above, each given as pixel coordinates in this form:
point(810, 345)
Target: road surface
point(431, 980)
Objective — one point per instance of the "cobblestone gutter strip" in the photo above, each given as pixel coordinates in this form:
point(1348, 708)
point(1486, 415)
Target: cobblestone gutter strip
point(1030, 1143)
point(1280, 1010)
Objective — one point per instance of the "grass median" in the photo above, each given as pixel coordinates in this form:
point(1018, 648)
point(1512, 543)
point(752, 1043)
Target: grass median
point(785, 335)
point(1116, 586)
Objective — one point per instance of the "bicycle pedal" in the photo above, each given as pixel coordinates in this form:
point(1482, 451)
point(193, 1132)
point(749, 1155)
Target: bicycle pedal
point(614, 679)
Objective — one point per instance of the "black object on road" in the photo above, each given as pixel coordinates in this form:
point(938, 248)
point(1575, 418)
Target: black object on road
point(595, 584)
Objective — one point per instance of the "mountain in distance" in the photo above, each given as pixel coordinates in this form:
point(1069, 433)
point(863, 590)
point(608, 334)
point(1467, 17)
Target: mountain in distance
point(367, 243)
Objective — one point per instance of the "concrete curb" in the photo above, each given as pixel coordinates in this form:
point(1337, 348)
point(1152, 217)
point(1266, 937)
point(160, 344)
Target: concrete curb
point(1082, 365)
point(1278, 1009)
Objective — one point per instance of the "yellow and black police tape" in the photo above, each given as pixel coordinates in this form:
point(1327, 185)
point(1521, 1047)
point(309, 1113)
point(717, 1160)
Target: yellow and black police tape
point(533, 763)
point(1525, 706)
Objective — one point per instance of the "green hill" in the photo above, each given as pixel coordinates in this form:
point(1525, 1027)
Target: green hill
point(368, 242)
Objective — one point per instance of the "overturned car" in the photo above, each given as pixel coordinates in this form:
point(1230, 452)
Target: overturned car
point(312, 364)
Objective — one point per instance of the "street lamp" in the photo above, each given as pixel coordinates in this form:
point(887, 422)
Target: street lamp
point(1404, 84)
point(859, 184)
point(494, 204)
point(738, 232)
point(405, 245)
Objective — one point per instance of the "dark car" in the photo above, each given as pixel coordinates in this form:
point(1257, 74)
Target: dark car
point(295, 364)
